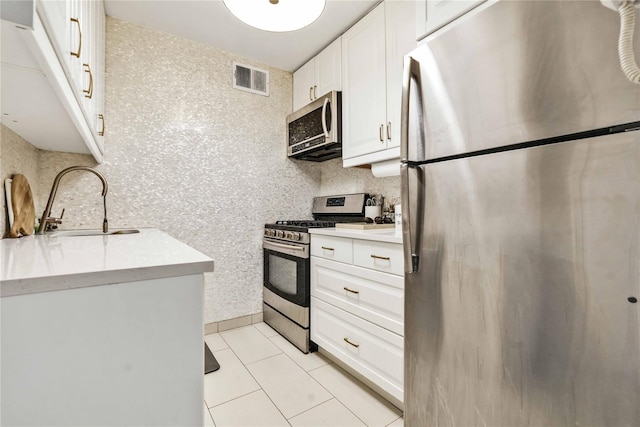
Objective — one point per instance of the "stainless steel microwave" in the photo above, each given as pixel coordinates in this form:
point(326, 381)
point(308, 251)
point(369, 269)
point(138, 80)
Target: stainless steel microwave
point(314, 132)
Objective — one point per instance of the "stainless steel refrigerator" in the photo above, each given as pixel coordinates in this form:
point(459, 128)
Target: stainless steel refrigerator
point(521, 221)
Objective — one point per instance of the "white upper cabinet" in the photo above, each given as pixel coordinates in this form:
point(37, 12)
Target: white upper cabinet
point(400, 40)
point(57, 101)
point(372, 62)
point(318, 76)
point(434, 14)
point(364, 104)
point(328, 68)
point(303, 82)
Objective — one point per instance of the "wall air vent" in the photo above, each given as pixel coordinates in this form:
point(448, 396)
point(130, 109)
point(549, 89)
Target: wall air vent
point(250, 79)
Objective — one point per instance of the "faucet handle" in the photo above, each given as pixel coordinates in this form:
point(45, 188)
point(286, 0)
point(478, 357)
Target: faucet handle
point(52, 222)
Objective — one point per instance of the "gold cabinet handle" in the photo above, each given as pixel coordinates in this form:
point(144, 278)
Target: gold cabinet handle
point(315, 92)
point(327, 249)
point(381, 137)
point(77, 54)
point(389, 131)
point(350, 290)
point(310, 93)
point(384, 258)
point(89, 92)
point(350, 343)
point(101, 132)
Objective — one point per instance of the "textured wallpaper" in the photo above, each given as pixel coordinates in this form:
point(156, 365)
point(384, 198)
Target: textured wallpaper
point(16, 156)
point(337, 180)
point(190, 155)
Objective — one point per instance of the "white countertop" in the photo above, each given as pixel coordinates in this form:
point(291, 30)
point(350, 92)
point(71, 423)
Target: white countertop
point(36, 264)
point(379, 235)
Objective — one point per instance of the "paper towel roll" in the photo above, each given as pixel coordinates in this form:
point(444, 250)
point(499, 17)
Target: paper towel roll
point(387, 168)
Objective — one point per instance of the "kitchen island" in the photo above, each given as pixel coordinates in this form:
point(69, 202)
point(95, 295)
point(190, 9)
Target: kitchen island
point(101, 330)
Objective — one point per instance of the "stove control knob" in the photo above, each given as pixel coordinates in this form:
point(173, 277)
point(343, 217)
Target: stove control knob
point(288, 235)
point(279, 233)
point(295, 236)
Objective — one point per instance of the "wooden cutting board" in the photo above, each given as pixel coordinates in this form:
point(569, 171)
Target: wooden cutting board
point(24, 213)
point(363, 226)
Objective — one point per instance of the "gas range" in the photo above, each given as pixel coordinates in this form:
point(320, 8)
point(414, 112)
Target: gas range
point(287, 291)
point(327, 211)
point(296, 230)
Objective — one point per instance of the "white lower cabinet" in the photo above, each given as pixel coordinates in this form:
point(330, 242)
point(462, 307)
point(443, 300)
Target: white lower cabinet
point(357, 311)
point(370, 350)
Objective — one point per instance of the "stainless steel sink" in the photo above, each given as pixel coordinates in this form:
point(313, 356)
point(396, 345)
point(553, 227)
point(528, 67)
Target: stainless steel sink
point(77, 233)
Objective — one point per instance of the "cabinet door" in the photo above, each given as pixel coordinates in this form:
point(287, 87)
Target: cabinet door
point(76, 50)
point(328, 68)
point(55, 17)
point(400, 40)
point(441, 12)
point(98, 41)
point(87, 12)
point(303, 81)
point(363, 84)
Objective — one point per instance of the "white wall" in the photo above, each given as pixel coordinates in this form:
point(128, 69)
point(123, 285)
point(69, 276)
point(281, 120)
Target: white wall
point(188, 154)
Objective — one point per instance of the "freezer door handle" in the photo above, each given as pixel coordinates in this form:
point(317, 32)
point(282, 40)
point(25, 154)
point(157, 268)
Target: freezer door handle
point(411, 73)
point(412, 215)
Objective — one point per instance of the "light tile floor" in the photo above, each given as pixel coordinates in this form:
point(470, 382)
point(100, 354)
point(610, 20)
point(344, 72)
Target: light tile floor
point(265, 381)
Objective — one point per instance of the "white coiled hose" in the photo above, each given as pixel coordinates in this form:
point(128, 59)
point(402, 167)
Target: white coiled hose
point(625, 42)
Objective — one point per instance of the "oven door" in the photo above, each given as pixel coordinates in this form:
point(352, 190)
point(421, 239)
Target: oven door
point(287, 270)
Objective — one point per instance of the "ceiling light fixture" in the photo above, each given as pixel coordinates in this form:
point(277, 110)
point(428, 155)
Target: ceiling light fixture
point(276, 15)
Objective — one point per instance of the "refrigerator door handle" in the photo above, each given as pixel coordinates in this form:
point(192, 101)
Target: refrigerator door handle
point(412, 221)
point(411, 73)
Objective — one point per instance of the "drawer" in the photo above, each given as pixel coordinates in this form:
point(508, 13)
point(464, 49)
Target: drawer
point(370, 350)
point(381, 256)
point(374, 296)
point(335, 248)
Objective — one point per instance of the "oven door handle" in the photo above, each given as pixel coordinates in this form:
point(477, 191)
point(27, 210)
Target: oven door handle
point(280, 245)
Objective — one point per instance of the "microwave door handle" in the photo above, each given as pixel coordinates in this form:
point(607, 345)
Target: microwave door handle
point(324, 118)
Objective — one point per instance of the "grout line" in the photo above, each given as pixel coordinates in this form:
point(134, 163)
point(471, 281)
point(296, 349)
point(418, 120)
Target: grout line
point(335, 397)
point(234, 398)
point(209, 413)
point(394, 421)
point(313, 407)
point(262, 360)
point(353, 379)
point(245, 364)
point(264, 391)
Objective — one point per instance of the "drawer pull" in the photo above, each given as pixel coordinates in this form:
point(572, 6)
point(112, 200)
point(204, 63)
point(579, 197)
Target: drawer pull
point(327, 249)
point(77, 53)
point(351, 290)
point(101, 117)
point(89, 92)
point(350, 343)
point(384, 258)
